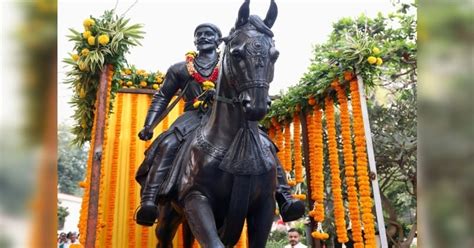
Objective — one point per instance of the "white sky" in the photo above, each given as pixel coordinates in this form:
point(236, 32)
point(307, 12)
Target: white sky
point(169, 26)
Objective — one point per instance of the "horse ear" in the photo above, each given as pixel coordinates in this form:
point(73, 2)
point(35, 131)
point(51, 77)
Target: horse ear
point(244, 12)
point(271, 14)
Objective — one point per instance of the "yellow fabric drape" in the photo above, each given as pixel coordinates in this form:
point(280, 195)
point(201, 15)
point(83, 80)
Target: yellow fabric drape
point(123, 153)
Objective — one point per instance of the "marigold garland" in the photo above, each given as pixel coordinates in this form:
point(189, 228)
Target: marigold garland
point(82, 226)
point(144, 237)
point(362, 167)
point(131, 184)
point(339, 214)
point(354, 213)
point(297, 149)
point(114, 173)
point(287, 148)
point(271, 133)
point(299, 196)
point(205, 82)
point(317, 173)
point(279, 142)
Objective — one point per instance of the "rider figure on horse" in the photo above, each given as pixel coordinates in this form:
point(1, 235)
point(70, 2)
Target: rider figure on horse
point(189, 76)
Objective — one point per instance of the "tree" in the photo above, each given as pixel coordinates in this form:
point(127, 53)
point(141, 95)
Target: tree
point(395, 146)
point(62, 214)
point(72, 161)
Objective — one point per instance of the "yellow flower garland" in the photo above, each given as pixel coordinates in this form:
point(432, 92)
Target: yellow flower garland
point(362, 172)
point(297, 146)
point(114, 173)
point(132, 163)
point(353, 200)
point(339, 214)
point(145, 231)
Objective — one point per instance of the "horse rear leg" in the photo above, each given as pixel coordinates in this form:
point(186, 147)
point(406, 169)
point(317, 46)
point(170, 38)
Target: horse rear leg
point(188, 237)
point(259, 223)
point(200, 218)
point(168, 223)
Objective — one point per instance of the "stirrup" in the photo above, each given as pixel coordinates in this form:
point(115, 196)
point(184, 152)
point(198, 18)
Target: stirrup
point(146, 215)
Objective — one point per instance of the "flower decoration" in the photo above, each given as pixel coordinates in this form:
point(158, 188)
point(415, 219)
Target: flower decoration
point(133, 78)
point(206, 83)
point(104, 40)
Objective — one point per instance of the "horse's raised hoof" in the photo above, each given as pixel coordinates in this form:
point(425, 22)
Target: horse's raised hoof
point(147, 214)
point(292, 210)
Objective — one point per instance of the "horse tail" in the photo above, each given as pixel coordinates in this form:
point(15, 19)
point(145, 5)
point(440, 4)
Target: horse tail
point(238, 206)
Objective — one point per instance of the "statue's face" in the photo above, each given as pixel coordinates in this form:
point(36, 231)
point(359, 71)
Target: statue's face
point(205, 38)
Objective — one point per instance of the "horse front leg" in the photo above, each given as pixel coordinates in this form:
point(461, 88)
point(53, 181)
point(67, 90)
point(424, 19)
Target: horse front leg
point(200, 217)
point(168, 223)
point(259, 222)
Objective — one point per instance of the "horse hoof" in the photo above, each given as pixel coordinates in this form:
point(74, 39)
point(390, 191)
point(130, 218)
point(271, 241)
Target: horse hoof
point(292, 210)
point(147, 215)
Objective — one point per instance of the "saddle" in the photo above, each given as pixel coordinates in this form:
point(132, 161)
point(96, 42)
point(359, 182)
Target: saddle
point(251, 153)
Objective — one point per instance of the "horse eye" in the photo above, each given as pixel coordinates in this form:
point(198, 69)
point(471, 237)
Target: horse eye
point(236, 53)
point(274, 54)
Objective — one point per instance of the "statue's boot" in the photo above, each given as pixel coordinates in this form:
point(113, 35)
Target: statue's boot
point(290, 209)
point(162, 163)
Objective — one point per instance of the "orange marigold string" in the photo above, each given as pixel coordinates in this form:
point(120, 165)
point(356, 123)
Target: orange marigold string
point(132, 164)
point(279, 142)
point(362, 167)
point(85, 199)
point(114, 172)
point(354, 214)
point(339, 214)
point(297, 146)
point(272, 133)
point(315, 133)
point(287, 148)
point(318, 187)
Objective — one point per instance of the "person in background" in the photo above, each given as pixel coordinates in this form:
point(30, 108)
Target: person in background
point(294, 239)
point(62, 240)
point(71, 240)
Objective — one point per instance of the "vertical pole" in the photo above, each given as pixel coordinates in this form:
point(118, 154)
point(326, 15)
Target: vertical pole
point(92, 213)
point(372, 166)
point(304, 132)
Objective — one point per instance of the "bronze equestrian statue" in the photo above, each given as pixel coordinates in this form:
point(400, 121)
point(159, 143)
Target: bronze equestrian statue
point(217, 167)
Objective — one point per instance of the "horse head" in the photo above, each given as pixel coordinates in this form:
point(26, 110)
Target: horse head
point(248, 60)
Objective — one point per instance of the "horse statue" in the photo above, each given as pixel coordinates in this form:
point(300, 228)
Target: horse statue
point(225, 173)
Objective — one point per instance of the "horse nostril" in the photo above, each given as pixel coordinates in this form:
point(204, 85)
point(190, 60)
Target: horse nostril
point(246, 104)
